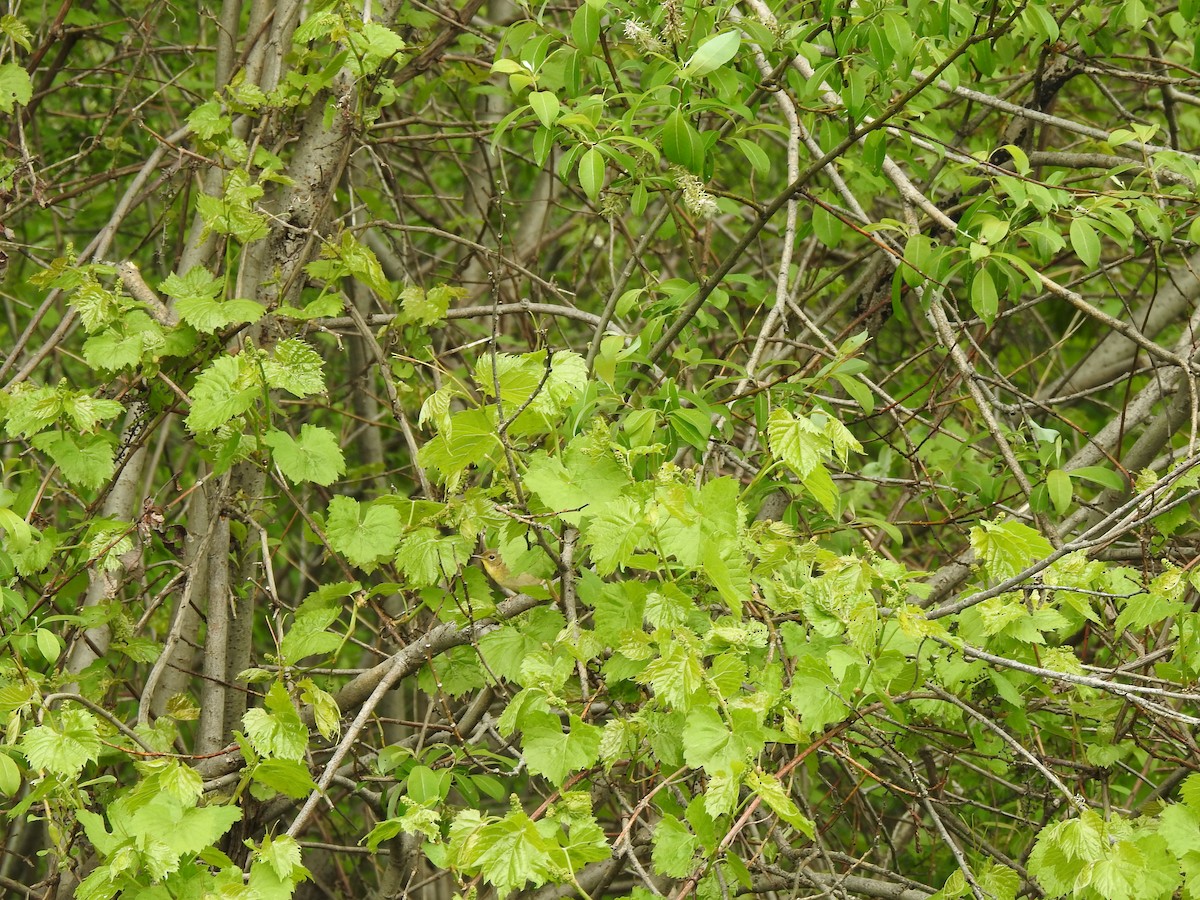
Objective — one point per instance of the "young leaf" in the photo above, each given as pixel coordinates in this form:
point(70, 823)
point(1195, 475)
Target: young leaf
point(313, 456)
point(545, 105)
point(712, 54)
point(366, 539)
point(275, 729)
point(227, 388)
point(15, 87)
point(591, 173)
point(1084, 242)
point(1058, 486)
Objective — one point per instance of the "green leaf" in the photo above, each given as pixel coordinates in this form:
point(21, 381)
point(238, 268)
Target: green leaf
point(708, 743)
point(17, 30)
point(1101, 476)
point(365, 540)
point(984, 298)
point(282, 854)
point(326, 713)
point(275, 729)
point(428, 307)
point(374, 45)
point(615, 533)
point(97, 306)
point(545, 106)
point(309, 636)
point(65, 744)
point(1058, 486)
point(15, 87)
point(285, 776)
point(10, 776)
point(234, 211)
point(674, 848)
point(314, 455)
point(86, 460)
point(209, 316)
point(681, 142)
point(47, 644)
point(32, 409)
point(1043, 22)
point(126, 344)
point(350, 257)
point(296, 368)
point(712, 54)
point(1084, 242)
point(768, 787)
point(585, 27)
point(426, 557)
point(85, 411)
point(1006, 547)
point(554, 753)
point(755, 155)
point(208, 120)
point(469, 441)
point(826, 226)
point(227, 388)
point(591, 173)
point(509, 853)
point(797, 441)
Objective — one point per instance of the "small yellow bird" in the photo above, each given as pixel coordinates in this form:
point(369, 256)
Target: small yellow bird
point(499, 573)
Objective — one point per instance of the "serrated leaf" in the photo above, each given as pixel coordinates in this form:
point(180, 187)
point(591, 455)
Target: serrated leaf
point(65, 744)
point(208, 316)
point(426, 557)
point(282, 854)
point(17, 30)
point(208, 120)
point(285, 776)
point(768, 787)
point(797, 441)
point(275, 729)
point(674, 848)
point(15, 87)
point(554, 753)
point(313, 455)
point(615, 533)
point(85, 460)
point(227, 388)
point(364, 540)
point(1006, 547)
point(296, 368)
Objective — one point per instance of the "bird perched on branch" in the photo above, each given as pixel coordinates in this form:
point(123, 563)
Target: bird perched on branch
point(499, 572)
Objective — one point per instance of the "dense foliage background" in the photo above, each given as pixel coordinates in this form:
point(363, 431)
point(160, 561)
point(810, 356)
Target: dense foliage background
point(824, 374)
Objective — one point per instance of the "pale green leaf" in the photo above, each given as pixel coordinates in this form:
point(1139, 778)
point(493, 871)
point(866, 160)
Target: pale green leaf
point(313, 455)
point(364, 539)
point(713, 53)
point(15, 87)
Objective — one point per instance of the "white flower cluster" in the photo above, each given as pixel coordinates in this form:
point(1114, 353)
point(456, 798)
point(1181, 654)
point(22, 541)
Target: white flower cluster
point(698, 201)
point(637, 31)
